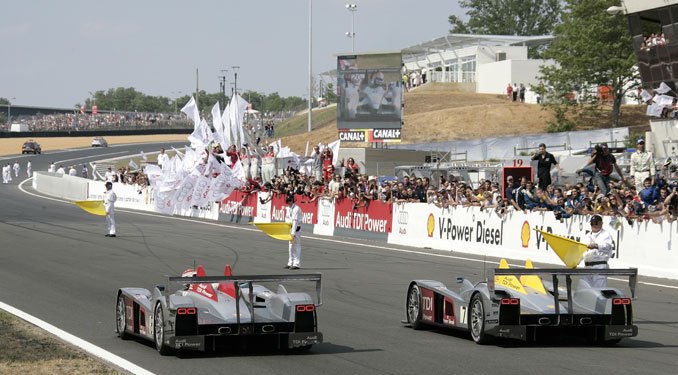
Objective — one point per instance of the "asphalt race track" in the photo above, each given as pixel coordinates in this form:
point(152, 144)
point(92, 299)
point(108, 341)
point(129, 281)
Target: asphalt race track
point(56, 264)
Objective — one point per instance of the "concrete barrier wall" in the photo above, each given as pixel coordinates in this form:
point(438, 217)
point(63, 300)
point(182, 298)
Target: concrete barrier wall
point(645, 245)
point(62, 186)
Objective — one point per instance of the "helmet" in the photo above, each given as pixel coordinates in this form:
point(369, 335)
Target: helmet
point(190, 272)
point(109, 185)
point(290, 198)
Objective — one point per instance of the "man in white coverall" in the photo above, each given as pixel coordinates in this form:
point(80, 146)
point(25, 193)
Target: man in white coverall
point(600, 250)
point(109, 207)
point(29, 169)
point(17, 168)
point(294, 217)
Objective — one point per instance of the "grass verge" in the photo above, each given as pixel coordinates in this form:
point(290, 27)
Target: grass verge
point(27, 349)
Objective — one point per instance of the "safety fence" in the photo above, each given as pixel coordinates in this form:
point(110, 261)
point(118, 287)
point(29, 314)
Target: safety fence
point(643, 244)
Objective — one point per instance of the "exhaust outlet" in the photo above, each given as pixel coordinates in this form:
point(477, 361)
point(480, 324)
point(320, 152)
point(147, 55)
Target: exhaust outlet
point(267, 328)
point(544, 321)
point(585, 321)
point(224, 330)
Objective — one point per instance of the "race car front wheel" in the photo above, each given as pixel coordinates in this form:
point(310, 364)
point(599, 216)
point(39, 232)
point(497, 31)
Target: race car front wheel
point(414, 307)
point(120, 318)
point(476, 320)
point(159, 331)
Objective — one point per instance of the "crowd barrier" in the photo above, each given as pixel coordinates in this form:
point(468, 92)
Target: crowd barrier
point(643, 244)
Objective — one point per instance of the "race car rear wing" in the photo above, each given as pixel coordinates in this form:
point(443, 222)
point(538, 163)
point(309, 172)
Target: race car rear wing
point(632, 274)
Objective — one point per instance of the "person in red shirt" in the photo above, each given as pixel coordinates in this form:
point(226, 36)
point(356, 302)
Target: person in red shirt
point(328, 166)
point(233, 154)
point(352, 167)
point(509, 92)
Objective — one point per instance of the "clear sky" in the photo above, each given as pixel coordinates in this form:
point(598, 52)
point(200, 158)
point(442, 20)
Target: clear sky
point(55, 52)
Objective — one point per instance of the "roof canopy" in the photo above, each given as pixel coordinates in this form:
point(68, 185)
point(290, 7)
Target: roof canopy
point(458, 41)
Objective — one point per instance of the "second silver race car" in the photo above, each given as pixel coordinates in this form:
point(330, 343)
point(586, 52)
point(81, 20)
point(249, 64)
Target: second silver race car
point(519, 304)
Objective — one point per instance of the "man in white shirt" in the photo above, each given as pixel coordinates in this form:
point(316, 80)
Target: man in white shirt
point(642, 164)
point(162, 158)
point(109, 175)
point(600, 251)
point(5, 171)
point(29, 169)
point(72, 171)
point(94, 171)
point(293, 217)
point(61, 170)
point(16, 168)
point(52, 168)
point(109, 207)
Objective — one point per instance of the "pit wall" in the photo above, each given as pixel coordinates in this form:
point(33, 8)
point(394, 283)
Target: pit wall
point(645, 245)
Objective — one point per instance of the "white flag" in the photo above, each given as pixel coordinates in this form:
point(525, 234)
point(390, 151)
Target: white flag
point(663, 88)
point(199, 136)
point(664, 100)
point(191, 110)
point(132, 164)
point(654, 110)
point(226, 127)
point(201, 192)
point(163, 202)
point(184, 194)
point(238, 106)
point(143, 156)
point(645, 96)
point(217, 124)
point(334, 146)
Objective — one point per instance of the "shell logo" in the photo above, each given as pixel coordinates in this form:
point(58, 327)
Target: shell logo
point(430, 225)
point(525, 234)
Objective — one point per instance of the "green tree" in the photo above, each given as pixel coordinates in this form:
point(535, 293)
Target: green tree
point(507, 17)
point(592, 49)
point(4, 101)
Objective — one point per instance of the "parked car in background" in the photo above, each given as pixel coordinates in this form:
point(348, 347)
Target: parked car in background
point(31, 147)
point(99, 142)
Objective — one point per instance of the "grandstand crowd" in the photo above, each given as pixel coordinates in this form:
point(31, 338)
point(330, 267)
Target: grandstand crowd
point(102, 121)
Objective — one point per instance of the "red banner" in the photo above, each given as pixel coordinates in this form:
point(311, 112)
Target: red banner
point(309, 210)
point(239, 203)
point(375, 217)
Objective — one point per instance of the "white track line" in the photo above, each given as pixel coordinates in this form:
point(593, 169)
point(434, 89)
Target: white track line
point(76, 341)
point(237, 227)
point(91, 157)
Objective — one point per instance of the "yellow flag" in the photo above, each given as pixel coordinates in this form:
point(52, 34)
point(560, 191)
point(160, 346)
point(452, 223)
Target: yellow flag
point(279, 231)
point(93, 207)
point(569, 251)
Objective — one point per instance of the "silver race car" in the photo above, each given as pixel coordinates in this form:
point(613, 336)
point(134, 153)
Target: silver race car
point(198, 312)
point(519, 304)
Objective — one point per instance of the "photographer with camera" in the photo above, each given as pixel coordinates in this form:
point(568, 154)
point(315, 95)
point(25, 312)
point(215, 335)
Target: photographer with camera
point(605, 164)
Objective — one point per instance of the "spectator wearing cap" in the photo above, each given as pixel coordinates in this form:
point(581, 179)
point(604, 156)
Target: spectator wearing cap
point(545, 161)
point(601, 248)
point(642, 164)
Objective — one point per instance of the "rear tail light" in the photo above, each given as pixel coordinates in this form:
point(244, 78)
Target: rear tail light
point(510, 301)
point(302, 308)
point(621, 301)
point(187, 311)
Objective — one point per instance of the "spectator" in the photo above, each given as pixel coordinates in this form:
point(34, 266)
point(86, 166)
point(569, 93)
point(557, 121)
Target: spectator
point(642, 164)
point(509, 92)
point(605, 163)
point(545, 160)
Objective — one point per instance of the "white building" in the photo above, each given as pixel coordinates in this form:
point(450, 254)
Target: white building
point(484, 63)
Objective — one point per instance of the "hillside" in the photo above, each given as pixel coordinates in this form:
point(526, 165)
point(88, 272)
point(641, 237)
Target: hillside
point(436, 112)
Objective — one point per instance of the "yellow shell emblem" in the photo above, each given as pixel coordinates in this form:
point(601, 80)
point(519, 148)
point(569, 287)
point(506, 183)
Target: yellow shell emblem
point(430, 225)
point(525, 234)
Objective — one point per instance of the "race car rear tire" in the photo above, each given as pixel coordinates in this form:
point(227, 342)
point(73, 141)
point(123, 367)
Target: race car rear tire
point(159, 332)
point(414, 307)
point(121, 318)
point(476, 320)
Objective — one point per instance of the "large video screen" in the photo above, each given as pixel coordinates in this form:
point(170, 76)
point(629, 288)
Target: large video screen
point(655, 42)
point(369, 91)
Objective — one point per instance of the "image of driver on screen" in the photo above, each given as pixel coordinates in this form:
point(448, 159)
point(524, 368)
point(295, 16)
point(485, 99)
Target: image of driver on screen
point(352, 94)
point(373, 93)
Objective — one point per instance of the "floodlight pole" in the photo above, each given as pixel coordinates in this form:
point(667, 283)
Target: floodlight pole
point(352, 8)
point(310, 63)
